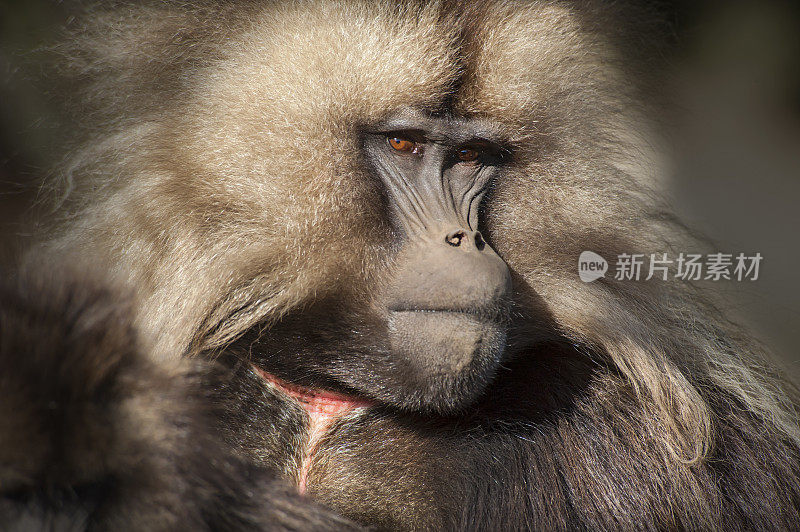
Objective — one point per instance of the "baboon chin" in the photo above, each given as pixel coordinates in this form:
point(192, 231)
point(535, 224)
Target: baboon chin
point(361, 220)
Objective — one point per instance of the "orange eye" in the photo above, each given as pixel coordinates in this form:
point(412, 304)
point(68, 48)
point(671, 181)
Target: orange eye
point(468, 155)
point(401, 144)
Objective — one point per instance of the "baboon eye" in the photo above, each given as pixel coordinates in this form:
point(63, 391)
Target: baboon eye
point(468, 154)
point(402, 144)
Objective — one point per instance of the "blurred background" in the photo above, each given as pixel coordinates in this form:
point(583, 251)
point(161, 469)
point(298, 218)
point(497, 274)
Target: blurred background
point(736, 139)
point(733, 75)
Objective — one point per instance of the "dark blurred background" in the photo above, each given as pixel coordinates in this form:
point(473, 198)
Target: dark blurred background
point(735, 172)
point(733, 73)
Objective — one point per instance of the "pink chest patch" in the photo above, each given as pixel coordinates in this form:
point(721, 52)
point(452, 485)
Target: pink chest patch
point(323, 409)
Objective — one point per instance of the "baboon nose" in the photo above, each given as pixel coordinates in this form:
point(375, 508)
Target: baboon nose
point(465, 239)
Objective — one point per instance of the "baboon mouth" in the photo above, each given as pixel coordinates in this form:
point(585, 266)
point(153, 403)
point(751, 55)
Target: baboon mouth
point(443, 310)
point(482, 314)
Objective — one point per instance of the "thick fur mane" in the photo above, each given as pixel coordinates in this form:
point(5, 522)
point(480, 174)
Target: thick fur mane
point(221, 170)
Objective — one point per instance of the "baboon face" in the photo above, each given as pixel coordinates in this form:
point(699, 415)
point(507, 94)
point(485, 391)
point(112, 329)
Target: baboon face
point(429, 333)
point(432, 331)
point(448, 288)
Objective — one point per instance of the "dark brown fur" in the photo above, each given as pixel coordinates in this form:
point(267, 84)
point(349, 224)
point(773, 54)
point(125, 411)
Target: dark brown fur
point(95, 436)
point(224, 183)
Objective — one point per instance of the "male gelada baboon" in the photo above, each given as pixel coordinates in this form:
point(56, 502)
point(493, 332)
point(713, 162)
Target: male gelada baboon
point(368, 215)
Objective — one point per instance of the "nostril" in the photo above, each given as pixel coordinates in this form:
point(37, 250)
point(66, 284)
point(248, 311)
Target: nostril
point(455, 238)
point(480, 243)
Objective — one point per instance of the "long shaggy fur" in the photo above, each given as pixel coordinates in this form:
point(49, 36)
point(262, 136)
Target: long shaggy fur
point(222, 182)
point(95, 436)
